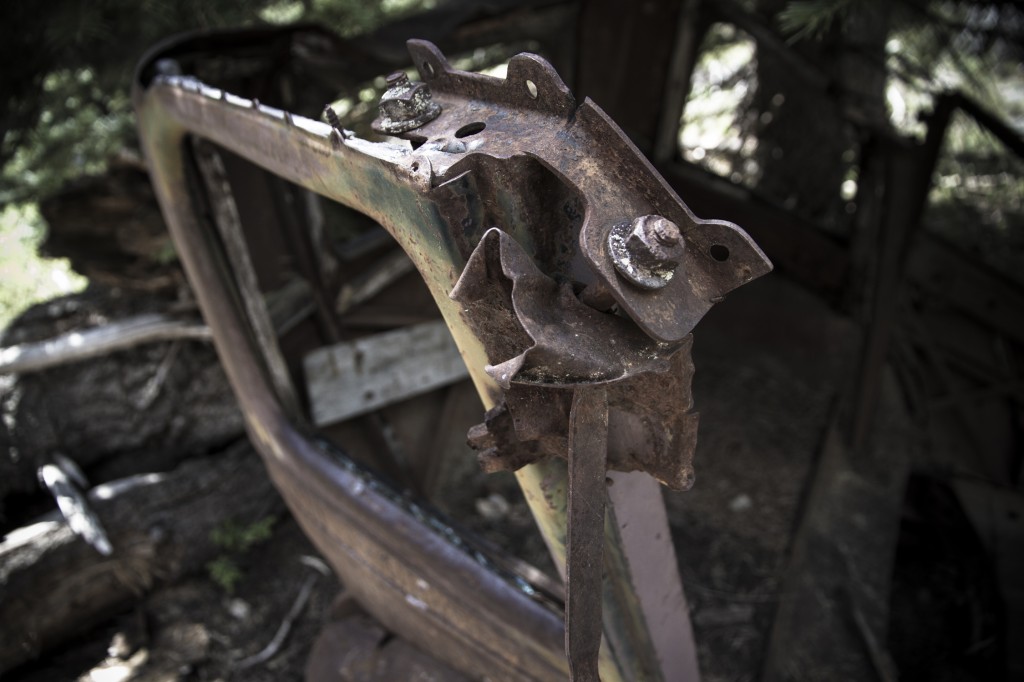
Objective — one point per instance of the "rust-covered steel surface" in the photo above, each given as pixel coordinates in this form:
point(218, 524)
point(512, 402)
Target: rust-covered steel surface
point(504, 195)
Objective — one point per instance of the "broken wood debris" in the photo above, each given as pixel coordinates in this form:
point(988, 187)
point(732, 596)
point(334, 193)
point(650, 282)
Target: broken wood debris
point(356, 377)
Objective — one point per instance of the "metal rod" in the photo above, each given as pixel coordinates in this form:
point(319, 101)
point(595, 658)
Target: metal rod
point(588, 454)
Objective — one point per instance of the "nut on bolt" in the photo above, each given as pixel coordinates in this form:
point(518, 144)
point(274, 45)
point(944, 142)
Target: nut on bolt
point(647, 251)
point(405, 106)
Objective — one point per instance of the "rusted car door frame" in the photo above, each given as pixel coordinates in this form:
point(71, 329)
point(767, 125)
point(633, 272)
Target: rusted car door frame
point(414, 573)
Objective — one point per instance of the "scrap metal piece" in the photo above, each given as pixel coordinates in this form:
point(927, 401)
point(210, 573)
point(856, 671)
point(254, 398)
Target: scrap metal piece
point(588, 448)
point(537, 331)
point(579, 145)
point(65, 481)
point(332, 117)
point(718, 259)
point(652, 428)
point(405, 106)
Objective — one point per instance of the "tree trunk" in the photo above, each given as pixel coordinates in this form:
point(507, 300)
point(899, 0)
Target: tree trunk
point(133, 411)
point(53, 585)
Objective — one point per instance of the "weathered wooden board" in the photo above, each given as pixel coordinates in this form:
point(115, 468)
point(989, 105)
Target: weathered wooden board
point(356, 377)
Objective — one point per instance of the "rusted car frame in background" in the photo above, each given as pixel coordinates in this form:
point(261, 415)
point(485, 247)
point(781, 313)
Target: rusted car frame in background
point(570, 276)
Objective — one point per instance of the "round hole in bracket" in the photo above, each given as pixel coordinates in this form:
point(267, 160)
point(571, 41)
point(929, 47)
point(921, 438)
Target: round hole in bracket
point(719, 252)
point(531, 88)
point(428, 69)
point(470, 129)
point(415, 166)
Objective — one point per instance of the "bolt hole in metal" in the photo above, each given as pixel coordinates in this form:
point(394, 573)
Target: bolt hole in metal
point(719, 252)
point(531, 87)
point(470, 129)
point(415, 166)
point(428, 69)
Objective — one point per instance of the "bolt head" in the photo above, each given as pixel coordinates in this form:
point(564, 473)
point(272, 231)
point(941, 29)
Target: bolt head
point(396, 77)
point(405, 105)
point(654, 231)
point(665, 231)
point(647, 251)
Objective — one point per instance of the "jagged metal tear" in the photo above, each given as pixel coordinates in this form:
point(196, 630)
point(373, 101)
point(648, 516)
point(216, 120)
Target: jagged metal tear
point(543, 342)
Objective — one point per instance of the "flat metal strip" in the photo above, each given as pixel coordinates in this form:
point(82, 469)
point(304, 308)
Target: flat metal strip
point(588, 455)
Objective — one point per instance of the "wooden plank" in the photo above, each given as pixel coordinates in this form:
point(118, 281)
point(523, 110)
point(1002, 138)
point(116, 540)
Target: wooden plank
point(360, 376)
point(997, 514)
point(625, 55)
point(906, 172)
point(967, 285)
point(833, 619)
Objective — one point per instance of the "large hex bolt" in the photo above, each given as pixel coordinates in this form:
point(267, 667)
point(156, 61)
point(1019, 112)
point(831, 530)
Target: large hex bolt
point(647, 251)
point(405, 106)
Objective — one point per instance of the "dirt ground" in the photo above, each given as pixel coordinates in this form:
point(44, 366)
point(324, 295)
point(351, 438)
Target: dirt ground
point(195, 630)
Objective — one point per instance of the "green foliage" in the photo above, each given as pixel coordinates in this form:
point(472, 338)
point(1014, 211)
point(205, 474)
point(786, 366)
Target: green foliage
point(235, 540)
point(224, 571)
point(977, 200)
point(65, 105)
point(80, 127)
point(66, 79)
point(813, 18)
point(934, 45)
point(234, 537)
point(25, 278)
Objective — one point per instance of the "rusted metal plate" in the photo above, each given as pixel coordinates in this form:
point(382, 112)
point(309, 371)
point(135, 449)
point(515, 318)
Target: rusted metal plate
point(618, 184)
point(537, 332)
